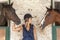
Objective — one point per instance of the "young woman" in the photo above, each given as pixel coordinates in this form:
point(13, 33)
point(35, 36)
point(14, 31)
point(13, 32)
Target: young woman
point(29, 30)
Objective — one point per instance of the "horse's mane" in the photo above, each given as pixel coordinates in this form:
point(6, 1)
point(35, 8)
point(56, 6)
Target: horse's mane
point(57, 10)
point(6, 6)
point(50, 9)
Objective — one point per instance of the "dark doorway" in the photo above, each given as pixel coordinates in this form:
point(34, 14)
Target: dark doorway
point(57, 6)
point(57, 24)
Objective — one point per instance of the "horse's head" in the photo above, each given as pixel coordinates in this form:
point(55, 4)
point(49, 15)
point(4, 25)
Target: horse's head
point(10, 13)
point(49, 18)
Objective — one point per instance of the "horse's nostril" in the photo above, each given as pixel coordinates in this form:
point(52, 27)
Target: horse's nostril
point(18, 22)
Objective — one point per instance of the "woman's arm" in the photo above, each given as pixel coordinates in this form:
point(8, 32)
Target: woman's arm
point(14, 28)
point(35, 36)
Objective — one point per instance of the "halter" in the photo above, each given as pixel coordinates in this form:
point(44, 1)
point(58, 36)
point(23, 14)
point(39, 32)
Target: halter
point(44, 17)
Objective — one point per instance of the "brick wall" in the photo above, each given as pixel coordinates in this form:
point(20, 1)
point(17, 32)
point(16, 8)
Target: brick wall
point(37, 9)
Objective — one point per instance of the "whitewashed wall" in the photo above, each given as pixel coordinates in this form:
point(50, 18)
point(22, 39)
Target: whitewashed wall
point(3, 1)
point(37, 9)
point(57, 0)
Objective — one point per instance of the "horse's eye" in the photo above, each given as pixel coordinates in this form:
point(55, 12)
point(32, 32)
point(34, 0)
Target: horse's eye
point(14, 9)
point(47, 12)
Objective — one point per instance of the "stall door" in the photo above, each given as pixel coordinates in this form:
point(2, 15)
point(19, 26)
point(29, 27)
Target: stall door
point(4, 33)
point(56, 33)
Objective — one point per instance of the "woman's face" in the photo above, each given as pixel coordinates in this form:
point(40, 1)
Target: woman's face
point(29, 20)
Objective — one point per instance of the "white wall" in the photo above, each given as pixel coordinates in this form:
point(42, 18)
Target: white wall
point(57, 0)
point(2, 1)
point(37, 9)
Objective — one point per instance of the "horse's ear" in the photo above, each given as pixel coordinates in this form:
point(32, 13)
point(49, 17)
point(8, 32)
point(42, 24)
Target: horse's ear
point(47, 8)
point(3, 5)
point(11, 4)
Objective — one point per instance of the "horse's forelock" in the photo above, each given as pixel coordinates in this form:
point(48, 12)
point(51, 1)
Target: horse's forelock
point(6, 6)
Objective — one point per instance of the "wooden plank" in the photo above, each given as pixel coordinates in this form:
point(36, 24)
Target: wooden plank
point(2, 34)
point(58, 33)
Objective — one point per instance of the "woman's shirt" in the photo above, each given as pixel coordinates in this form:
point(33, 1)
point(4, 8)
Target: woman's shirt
point(28, 35)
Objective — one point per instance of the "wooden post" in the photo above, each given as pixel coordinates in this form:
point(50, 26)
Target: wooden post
point(9, 1)
point(53, 4)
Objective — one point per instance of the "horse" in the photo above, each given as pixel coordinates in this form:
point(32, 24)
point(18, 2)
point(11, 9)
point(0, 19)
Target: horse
point(52, 16)
point(8, 13)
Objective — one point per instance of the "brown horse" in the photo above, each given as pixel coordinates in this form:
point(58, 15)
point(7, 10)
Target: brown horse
point(52, 16)
point(8, 13)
